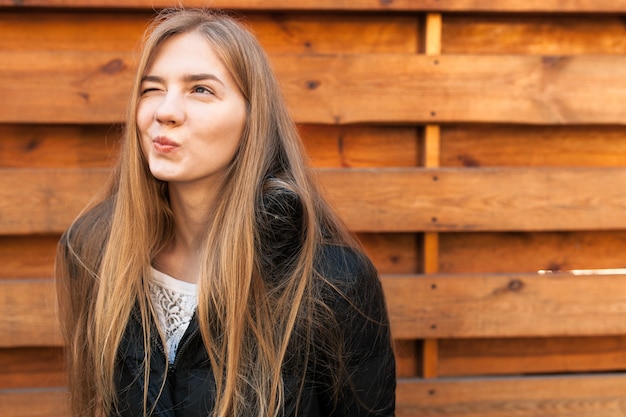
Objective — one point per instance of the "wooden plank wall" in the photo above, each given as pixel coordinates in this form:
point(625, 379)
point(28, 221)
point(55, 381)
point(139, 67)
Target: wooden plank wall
point(470, 144)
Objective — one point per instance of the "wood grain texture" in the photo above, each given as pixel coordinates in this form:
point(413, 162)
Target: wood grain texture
point(41, 402)
point(540, 34)
point(559, 396)
point(478, 200)
point(526, 174)
point(419, 89)
point(354, 33)
point(420, 306)
point(556, 396)
point(561, 6)
point(432, 159)
point(529, 252)
point(284, 32)
point(23, 368)
point(81, 87)
point(49, 35)
point(514, 356)
point(27, 256)
point(89, 87)
point(375, 200)
point(528, 146)
point(514, 305)
point(43, 201)
point(393, 253)
point(28, 313)
point(408, 355)
point(357, 146)
point(72, 30)
point(58, 146)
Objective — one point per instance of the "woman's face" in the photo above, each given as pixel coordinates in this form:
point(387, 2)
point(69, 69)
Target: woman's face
point(191, 114)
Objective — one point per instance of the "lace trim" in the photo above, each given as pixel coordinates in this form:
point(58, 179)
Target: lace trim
point(175, 302)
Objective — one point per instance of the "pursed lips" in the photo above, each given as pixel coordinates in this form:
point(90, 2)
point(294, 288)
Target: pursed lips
point(163, 144)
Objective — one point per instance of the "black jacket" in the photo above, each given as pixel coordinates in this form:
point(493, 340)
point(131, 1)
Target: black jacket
point(353, 292)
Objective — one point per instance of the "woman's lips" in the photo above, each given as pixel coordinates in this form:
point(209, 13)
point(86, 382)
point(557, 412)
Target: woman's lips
point(164, 145)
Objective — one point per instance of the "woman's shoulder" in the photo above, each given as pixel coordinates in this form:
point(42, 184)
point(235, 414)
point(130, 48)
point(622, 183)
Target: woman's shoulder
point(345, 266)
point(348, 283)
point(353, 293)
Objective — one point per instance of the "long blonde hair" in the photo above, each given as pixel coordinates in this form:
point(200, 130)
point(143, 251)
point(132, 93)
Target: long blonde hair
point(104, 257)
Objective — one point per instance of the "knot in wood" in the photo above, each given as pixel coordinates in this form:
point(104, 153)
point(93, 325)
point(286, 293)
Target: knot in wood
point(552, 61)
point(515, 285)
point(312, 84)
point(113, 66)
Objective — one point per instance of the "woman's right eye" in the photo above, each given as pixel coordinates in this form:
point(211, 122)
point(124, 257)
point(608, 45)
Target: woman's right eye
point(148, 90)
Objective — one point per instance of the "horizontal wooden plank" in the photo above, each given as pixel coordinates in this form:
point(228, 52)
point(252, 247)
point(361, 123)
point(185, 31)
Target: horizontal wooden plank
point(36, 402)
point(58, 146)
point(503, 199)
point(369, 33)
point(480, 145)
point(478, 253)
point(115, 31)
point(560, 6)
point(356, 146)
point(28, 313)
point(556, 396)
point(539, 34)
point(515, 356)
point(553, 396)
point(92, 87)
point(45, 201)
point(438, 306)
point(23, 368)
point(376, 200)
point(81, 87)
point(514, 305)
point(69, 30)
point(459, 88)
point(27, 256)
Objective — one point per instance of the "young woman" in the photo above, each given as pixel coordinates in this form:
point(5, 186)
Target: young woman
point(212, 279)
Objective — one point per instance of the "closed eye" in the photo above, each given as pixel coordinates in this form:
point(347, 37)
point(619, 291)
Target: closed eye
point(150, 87)
point(150, 84)
point(148, 90)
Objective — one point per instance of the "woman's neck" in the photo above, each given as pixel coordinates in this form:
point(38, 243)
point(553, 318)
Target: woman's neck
point(191, 210)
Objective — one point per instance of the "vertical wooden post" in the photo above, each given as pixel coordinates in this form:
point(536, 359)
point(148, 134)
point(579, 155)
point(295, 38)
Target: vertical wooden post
point(432, 137)
point(433, 33)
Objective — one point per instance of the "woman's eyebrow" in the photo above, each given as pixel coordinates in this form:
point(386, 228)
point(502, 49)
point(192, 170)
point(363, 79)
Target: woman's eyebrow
point(201, 77)
point(152, 78)
point(185, 78)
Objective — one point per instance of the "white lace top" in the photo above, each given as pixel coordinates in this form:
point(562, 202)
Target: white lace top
point(175, 302)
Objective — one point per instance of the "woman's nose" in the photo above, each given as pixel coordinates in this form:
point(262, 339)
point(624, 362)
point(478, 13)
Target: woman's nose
point(170, 111)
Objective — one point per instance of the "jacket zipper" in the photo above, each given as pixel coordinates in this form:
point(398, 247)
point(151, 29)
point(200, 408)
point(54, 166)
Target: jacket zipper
point(187, 339)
